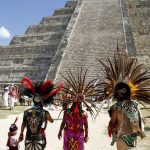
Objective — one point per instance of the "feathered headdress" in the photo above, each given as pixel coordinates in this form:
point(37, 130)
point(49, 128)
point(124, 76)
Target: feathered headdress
point(122, 68)
point(80, 90)
point(46, 90)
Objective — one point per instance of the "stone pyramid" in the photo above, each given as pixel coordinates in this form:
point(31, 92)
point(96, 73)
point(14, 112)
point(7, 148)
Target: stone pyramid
point(32, 54)
point(77, 36)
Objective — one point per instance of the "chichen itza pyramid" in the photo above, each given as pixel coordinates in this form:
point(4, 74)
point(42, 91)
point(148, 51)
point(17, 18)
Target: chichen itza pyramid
point(76, 36)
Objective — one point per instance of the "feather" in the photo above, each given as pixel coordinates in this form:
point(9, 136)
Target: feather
point(45, 86)
point(126, 69)
point(72, 81)
point(61, 85)
point(15, 120)
point(27, 83)
point(69, 82)
point(79, 86)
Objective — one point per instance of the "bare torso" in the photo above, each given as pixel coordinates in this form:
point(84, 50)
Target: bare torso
point(124, 125)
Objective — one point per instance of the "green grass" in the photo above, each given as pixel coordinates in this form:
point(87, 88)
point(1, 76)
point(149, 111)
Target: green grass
point(4, 113)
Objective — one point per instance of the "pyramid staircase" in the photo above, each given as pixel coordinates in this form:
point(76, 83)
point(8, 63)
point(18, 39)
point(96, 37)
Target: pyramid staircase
point(32, 54)
point(94, 38)
point(73, 37)
point(99, 26)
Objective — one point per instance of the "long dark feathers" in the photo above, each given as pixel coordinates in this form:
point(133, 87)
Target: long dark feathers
point(124, 68)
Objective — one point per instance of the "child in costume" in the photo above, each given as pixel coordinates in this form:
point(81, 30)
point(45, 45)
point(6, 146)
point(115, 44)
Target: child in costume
point(12, 141)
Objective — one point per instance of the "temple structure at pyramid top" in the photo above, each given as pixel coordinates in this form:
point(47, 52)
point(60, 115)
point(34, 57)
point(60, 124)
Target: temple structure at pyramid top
point(77, 36)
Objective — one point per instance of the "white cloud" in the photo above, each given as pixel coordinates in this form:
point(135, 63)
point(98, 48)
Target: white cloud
point(4, 33)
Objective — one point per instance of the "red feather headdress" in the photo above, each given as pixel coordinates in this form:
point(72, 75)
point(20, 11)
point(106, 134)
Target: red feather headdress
point(27, 83)
point(55, 91)
point(45, 89)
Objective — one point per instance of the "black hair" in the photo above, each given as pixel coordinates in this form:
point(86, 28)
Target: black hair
point(125, 95)
point(40, 104)
point(13, 128)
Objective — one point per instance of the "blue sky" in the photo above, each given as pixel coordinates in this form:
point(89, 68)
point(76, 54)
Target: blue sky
point(17, 15)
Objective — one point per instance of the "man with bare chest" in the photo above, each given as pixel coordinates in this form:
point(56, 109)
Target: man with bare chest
point(125, 123)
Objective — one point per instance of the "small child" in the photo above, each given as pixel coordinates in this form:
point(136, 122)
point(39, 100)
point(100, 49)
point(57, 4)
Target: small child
point(12, 142)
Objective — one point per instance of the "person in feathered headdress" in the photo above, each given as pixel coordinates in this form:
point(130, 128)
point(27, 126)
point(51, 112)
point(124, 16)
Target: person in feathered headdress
point(75, 122)
point(128, 82)
point(35, 118)
point(12, 142)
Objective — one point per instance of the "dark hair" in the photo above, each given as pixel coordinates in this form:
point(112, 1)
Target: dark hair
point(40, 104)
point(13, 128)
point(122, 95)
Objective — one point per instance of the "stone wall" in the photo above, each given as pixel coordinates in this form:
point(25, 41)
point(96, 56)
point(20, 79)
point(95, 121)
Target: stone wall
point(139, 12)
point(77, 36)
point(32, 54)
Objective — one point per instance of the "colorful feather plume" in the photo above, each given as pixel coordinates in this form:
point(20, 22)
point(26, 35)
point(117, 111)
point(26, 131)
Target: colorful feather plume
point(45, 86)
point(27, 83)
point(77, 85)
point(55, 91)
point(15, 120)
point(47, 89)
point(125, 69)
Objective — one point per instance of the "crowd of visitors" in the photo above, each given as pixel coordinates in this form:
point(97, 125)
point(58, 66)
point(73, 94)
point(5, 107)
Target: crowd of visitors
point(9, 96)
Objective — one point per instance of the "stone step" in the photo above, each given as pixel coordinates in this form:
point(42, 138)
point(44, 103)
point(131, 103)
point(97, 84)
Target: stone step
point(89, 77)
point(32, 54)
point(16, 81)
point(5, 70)
point(56, 19)
point(15, 69)
point(28, 45)
point(71, 4)
point(22, 68)
point(63, 11)
point(37, 38)
point(143, 3)
point(28, 49)
point(61, 17)
point(26, 56)
point(42, 28)
point(16, 75)
point(20, 63)
point(25, 70)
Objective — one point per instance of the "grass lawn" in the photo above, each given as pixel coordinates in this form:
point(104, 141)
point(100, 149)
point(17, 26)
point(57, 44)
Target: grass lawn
point(5, 112)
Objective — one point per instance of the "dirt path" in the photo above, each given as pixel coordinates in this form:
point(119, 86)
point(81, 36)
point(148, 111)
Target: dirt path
point(97, 133)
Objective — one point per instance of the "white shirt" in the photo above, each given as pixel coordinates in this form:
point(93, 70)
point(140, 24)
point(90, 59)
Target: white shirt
point(13, 140)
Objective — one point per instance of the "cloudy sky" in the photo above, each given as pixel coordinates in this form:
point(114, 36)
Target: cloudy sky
point(17, 15)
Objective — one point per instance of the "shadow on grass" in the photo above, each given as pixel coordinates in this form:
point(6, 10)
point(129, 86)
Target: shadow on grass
point(5, 108)
point(5, 112)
